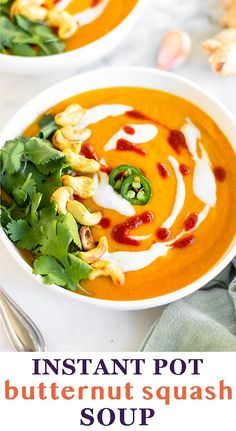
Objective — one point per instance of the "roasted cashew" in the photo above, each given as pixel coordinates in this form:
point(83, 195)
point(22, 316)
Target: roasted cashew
point(30, 9)
point(84, 187)
point(106, 268)
point(72, 133)
point(62, 144)
point(70, 137)
point(61, 197)
point(81, 164)
point(71, 116)
point(66, 23)
point(87, 239)
point(96, 253)
point(82, 214)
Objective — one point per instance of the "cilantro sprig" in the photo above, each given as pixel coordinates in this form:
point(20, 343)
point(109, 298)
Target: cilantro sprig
point(31, 171)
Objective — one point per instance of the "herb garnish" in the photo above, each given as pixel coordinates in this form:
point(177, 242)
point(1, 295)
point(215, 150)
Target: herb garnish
point(31, 171)
point(19, 36)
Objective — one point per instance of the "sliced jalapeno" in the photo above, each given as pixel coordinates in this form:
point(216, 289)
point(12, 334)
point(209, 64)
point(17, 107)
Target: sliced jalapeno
point(136, 189)
point(120, 173)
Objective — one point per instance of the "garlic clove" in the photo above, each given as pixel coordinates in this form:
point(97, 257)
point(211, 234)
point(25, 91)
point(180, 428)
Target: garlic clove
point(176, 46)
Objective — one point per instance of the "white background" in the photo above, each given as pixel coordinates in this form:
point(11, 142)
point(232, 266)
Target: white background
point(64, 415)
point(66, 324)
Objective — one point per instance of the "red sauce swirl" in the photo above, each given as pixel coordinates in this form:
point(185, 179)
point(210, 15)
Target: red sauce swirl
point(219, 173)
point(163, 234)
point(124, 145)
point(129, 130)
point(191, 221)
point(120, 232)
point(88, 151)
point(105, 222)
point(177, 140)
point(106, 169)
point(184, 169)
point(163, 170)
point(184, 242)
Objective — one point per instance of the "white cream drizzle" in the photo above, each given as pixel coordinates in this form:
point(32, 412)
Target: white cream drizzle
point(204, 184)
point(100, 112)
point(106, 197)
point(91, 14)
point(88, 15)
point(135, 260)
point(62, 4)
point(140, 237)
point(180, 194)
point(202, 215)
point(143, 133)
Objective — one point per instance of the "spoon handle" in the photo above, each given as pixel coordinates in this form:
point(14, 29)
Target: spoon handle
point(21, 330)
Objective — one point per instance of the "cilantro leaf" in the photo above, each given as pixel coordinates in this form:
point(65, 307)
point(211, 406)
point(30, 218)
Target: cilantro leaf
point(47, 215)
point(36, 175)
point(11, 155)
point(42, 154)
point(58, 235)
point(36, 199)
point(49, 186)
point(78, 270)
point(23, 50)
point(24, 190)
point(20, 36)
point(69, 276)
point(8, 31)
point(41, 35)
point(51, 270)
point(5, 215)
point(24, 235)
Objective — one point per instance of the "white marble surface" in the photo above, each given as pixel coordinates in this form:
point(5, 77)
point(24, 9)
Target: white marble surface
point(66, 324)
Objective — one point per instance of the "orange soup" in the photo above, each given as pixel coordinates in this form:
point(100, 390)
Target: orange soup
point(184, 175)
point(95, 18)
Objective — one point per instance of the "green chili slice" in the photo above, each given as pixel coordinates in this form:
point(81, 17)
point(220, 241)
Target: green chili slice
point(136, 189)
point(120, 173)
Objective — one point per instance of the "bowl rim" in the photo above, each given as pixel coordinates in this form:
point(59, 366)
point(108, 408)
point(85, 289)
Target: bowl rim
point(133, 304)
point(96, 45)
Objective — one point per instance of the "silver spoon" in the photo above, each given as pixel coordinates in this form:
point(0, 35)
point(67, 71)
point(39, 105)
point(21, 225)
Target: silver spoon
point(21, 330)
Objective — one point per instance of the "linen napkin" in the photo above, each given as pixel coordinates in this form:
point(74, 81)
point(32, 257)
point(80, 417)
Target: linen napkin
point(204, 321)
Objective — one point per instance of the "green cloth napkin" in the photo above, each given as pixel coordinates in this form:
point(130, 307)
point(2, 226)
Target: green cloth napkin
point(202, 322)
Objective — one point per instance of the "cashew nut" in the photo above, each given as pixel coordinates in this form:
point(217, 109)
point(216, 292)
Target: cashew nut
point(84, 187)
point(66, 23)
point(61, 197)
point(82, 214)
point(30, 9)
point(62, 144)
point(81, 164)
point(72, 133)
point(105, 268)
point(70, 137)
point(86, 237)
point(95, 254)
point(71, 116)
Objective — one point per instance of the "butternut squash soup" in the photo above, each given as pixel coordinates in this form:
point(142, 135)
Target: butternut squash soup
point(35, 28)
point(121, 193)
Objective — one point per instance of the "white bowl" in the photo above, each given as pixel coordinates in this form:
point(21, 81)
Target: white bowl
point(76, 58)
point(127, 77)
